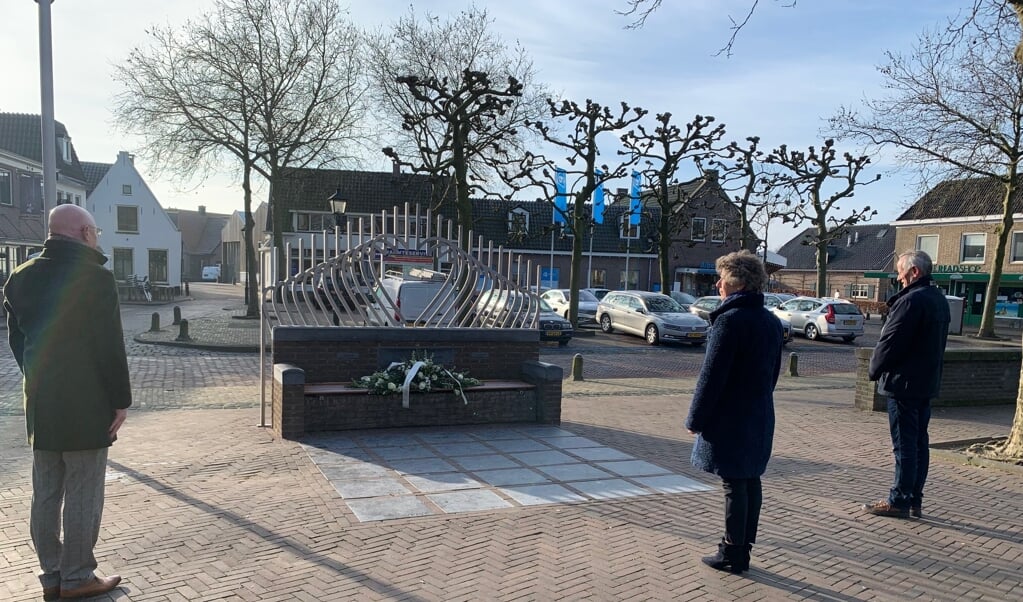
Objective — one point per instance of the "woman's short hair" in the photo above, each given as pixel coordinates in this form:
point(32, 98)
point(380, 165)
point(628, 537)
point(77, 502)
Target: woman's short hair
point(742, 270)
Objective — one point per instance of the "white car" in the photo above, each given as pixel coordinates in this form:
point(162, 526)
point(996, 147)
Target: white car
point(558, 299)
point(816, 318)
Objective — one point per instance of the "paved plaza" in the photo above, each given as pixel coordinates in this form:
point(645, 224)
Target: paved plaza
point(202, 504)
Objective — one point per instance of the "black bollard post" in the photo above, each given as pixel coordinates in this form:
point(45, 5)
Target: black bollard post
point(577, 366)
point(154, 326)
point(183, 332)
point(177, 315)
point(186, 288)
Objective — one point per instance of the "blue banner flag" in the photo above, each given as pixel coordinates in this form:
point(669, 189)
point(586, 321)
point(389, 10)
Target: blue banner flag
point(598, 200)
point(634, 205)
point(560, 201)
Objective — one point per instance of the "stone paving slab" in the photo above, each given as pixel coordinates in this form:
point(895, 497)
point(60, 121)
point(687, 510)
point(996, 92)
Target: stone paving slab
point(471, 469)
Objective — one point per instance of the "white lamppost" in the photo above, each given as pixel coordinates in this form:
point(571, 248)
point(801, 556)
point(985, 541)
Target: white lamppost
point(48, 130)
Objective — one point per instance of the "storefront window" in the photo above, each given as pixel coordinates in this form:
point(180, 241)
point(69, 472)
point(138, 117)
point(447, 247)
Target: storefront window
point(1017, 246)
point(973, 248)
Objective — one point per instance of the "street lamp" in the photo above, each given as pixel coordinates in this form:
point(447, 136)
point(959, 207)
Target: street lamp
point(338, 206)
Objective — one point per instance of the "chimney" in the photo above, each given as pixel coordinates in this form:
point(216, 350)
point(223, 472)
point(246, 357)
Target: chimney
point(848, 240)
point(202, 209)
point(395, 167)
point(128, 157)
point(711, 175)
point(856, 236)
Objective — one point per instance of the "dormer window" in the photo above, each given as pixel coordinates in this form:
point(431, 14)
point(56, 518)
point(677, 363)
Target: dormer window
point(518, 221)
point(627, 230)
point(64, 148)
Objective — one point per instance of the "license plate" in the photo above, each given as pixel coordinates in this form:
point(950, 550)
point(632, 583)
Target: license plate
point(553, 333)
point(849, 322)
point(695, 335)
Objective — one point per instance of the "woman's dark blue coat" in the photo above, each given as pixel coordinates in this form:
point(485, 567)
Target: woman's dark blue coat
point(732, 411)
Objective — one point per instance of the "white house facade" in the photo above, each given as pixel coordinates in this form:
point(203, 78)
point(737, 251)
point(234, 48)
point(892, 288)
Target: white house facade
point(138, 237)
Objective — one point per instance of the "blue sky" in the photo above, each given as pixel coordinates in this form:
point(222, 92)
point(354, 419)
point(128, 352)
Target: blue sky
point(790, 68)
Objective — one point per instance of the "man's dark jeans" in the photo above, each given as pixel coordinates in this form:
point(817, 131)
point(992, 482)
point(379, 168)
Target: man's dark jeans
point(743, 498)
point(908, 420)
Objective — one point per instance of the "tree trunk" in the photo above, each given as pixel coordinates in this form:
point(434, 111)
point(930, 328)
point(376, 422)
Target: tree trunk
point(252, 308)
point(822, 263)
point(987, 320)
point(1014, 445)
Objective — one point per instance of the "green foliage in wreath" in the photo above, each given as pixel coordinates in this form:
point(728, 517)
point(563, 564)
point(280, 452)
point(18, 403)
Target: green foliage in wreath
point(430, 376)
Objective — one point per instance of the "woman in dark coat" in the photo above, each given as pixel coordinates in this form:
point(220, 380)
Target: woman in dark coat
point(732, 412)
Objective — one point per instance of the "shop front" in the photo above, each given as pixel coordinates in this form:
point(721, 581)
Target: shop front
point(697, 281)
point(970, 284)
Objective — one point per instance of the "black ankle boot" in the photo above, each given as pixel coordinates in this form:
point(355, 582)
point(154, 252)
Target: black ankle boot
point(730, 558)
point(747, 549)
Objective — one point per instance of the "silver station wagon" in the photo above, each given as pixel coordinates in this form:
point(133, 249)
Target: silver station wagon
point(816, 318)
point(653, 316)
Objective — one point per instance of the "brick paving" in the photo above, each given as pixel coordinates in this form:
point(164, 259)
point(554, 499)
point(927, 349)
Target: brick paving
point(204, 505)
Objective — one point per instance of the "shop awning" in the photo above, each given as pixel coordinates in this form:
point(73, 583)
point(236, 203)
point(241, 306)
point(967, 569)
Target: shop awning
point(945, 277)
point(879, 275)
point(696, 271)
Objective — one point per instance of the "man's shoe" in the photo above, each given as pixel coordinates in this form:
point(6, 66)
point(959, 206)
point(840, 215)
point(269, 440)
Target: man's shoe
point(51, 593)
point(730, 558)
point(98, 585)
point(916, 511)
point(884, 508)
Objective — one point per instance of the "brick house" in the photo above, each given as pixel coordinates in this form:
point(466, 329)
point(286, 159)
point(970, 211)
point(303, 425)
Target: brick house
point(615, 255)
point(956, 223)
point(857, 268)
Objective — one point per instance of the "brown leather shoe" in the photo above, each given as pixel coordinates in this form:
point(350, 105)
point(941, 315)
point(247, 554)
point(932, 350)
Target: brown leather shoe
point(51, 593)
point(884, 508)
point(98, 585)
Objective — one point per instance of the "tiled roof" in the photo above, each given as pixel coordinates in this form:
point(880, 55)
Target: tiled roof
point(969, 197)
point(25, 229)
point(365, 191)
point(200, 230)
point(20, 134)
point(94, 173)
point(862, 248)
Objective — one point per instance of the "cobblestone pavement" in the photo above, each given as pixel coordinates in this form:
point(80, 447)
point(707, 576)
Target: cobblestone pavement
point(203, 505)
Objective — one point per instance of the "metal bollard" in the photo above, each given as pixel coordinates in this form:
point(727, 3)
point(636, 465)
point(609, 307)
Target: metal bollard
point(577, 366)
point(186, 288)
point(177, 316)
point(183, 331)
point(793, 364)
point(154, 326)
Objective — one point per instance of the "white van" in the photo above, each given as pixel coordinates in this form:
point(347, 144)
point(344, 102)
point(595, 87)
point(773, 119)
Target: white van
point(211, 273)
point(423, 297)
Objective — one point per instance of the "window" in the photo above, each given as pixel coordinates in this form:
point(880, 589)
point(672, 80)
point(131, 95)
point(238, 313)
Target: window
point(64, 146)
point(629, 280)
point(597, 278)
point(310, 221)
point(78, 200)
point(862, 291)
point(158, 265)
point(128, 219)
point(627, 230)
point(928, 244)
point(717, 230)
point(126, 189)
point(124, 263)
point(1017, 246)
point(6, 197)
point(973, 248)
point(518, 221)
point(699, 228)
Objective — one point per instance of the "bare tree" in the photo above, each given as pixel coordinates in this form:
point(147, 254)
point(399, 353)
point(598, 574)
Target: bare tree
point(663, 150)
point(751, 188)
point(271, 84)
point(820, 179)
point(584, 126)
point(462, 97)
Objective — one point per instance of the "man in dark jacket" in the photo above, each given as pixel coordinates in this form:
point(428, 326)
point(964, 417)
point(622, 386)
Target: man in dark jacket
point(64, 327)
point(907, 366)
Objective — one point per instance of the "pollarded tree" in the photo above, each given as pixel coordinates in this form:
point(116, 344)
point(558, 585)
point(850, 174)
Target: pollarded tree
point(819, 180)
point(583, 127)
point(462, 97)
point(664, 150)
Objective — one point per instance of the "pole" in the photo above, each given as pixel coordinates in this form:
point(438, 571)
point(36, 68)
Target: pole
point(47, 127)
point(628, 248)
point(550, 275)
point(589, 268)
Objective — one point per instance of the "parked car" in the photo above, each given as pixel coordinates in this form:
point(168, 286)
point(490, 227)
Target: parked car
point(683, 299)
point(772, 300)
point(816, 318)
point(558, 298)
point(704, 305)
point(654, 316)
point(424, 297)
point(211, 273)
point(598, 292)
point(501, 309)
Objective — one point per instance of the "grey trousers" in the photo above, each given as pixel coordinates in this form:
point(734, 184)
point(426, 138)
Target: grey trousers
point(76, 481)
